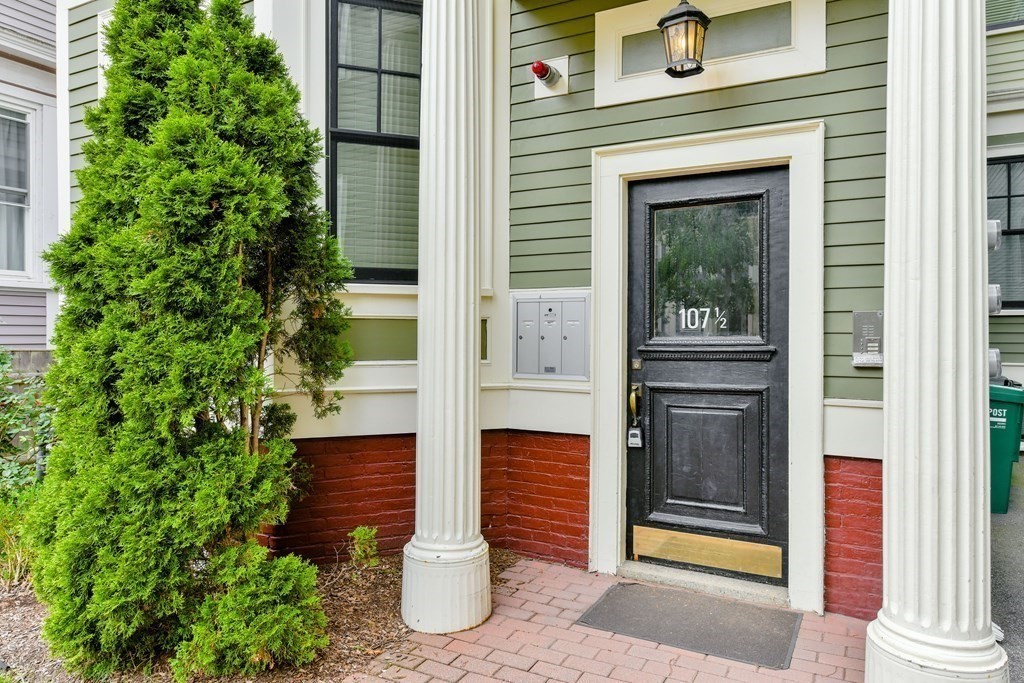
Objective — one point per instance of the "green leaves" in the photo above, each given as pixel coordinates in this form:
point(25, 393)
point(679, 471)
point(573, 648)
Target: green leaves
point(258, 615)
point(198, 249)
point(25, 426)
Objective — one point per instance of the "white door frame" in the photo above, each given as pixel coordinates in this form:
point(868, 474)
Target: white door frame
point(801, 146)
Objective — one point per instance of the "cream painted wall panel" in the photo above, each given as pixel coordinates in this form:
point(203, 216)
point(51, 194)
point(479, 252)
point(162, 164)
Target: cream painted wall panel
point(853, 429)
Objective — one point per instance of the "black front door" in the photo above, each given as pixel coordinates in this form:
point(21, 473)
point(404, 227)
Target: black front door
point(707, 474)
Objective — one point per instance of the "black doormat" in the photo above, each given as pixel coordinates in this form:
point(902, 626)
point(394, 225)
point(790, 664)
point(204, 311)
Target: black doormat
point(739, 631)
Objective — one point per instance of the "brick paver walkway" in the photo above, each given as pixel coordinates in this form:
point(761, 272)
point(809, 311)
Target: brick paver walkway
point(532, 638)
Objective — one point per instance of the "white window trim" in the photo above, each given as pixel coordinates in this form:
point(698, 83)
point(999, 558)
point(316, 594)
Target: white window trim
point(805, 56)
point(801, 145)
point(31, 123)
point(39, 113)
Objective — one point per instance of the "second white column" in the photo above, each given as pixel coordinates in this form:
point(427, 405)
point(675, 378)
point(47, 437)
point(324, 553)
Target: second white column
point(935, 623)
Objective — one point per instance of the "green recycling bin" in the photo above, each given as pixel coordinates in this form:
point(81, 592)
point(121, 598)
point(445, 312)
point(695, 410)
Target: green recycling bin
point(1004, 422)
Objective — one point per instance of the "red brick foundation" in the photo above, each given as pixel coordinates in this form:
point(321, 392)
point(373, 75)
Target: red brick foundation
point(853, 536)
point(535, 501)
point(549, 496)
point(534, 495)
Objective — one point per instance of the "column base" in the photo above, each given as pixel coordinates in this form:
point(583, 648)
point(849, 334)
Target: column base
point(898, 654)
point(446, 588)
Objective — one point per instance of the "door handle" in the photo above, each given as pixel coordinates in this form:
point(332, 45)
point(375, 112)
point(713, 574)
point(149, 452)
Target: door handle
point(634, 404)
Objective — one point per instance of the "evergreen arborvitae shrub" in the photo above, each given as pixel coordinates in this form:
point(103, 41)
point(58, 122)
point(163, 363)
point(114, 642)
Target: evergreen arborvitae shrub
point(196, 249)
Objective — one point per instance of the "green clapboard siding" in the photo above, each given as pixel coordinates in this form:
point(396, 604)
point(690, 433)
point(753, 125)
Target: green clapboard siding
point(1005, 60)
point(1006, 333)
point(552, 139)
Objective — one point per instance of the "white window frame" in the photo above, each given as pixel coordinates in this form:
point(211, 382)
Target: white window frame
point(805, 55)
point(33, 117)
point(36, 210)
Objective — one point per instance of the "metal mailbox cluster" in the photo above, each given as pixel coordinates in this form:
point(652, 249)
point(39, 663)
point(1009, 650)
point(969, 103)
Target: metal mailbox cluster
point(552, 337)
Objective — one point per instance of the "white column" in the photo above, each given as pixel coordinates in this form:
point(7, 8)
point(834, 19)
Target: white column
point(935, 622)
point(446, 584)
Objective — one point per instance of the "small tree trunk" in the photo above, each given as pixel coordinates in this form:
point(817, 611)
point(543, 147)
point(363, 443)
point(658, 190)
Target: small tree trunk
point(254, 439)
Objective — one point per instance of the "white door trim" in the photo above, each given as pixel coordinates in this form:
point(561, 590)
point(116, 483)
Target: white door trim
point(801, 145)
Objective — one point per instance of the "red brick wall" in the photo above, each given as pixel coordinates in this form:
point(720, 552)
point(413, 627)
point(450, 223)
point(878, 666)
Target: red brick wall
point(353, 481)
point(493, 487)
point(534, 495)
point(549, 496)
point(853, 536)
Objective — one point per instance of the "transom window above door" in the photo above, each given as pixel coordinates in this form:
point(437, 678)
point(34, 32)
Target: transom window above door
point(374, 137)
point(748, 41)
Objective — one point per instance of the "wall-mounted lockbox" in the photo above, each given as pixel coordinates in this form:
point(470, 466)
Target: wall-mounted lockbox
point(552, 335)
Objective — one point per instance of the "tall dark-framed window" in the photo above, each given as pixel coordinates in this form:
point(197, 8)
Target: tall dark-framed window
point(1006, 204)
point(373, 146)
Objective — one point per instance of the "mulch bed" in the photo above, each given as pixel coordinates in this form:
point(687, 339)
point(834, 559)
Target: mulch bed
point(363, 608)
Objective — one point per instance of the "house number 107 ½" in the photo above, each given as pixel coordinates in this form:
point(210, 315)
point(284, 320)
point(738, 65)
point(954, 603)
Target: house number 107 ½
point(700, 318)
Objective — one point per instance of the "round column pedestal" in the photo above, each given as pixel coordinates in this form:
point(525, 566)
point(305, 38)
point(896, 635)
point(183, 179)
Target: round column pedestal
point(910, 656)
point(446, 588)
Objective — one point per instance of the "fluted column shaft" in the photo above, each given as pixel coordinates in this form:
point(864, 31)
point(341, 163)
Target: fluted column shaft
point(446, 584)
point(935, 623)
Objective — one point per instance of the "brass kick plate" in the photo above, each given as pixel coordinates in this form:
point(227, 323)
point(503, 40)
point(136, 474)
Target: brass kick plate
point(707, 551)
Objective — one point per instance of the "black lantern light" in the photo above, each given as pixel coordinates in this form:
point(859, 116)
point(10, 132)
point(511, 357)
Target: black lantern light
point(684, 27)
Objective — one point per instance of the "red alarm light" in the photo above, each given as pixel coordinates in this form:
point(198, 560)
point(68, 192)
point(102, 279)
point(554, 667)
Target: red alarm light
point(544, 73)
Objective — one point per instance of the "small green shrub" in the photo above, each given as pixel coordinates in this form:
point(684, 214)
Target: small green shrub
point(14, 551)
point(24, 425)
point(259, 614)
point(363, 548)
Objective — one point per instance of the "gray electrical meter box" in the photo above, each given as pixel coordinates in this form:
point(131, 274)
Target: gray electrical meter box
point(868, 334)
point(552, 335)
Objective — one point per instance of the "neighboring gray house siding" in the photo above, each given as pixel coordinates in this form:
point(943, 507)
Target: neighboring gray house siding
point(23, 319)
point(34, 18)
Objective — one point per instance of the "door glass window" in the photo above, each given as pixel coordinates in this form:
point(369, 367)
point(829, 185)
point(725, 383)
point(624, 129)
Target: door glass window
point(706, 270)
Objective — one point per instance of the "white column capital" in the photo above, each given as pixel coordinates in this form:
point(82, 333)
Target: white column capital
point(446, 581)
point(935, 622)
